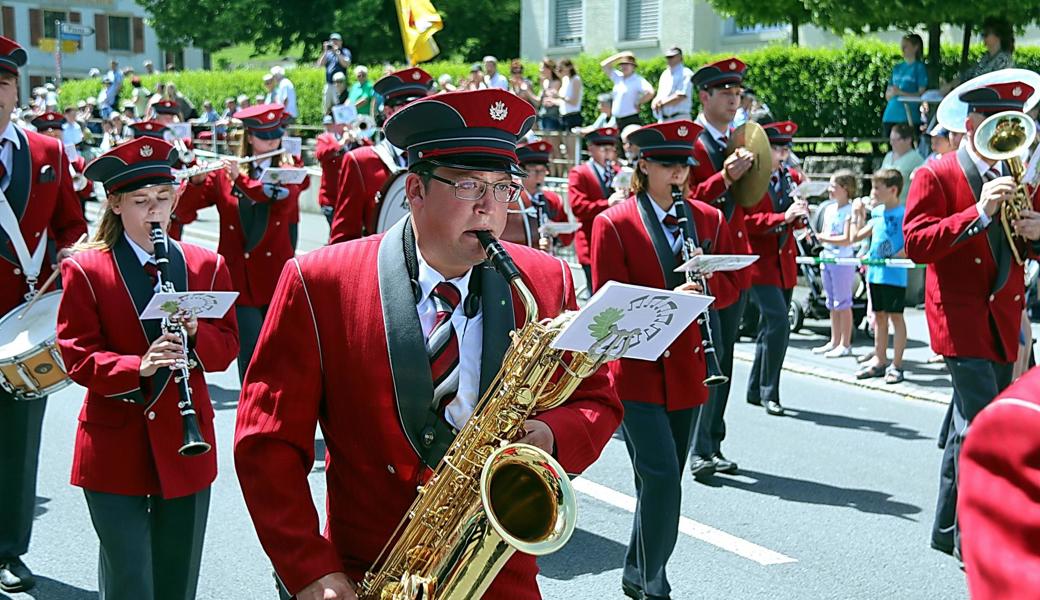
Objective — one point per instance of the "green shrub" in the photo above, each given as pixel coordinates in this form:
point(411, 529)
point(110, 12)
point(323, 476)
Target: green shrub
point(827, 91)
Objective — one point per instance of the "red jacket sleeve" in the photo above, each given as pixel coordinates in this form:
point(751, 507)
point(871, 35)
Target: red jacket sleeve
point(216, 341)
point(350, 211)
point(325, 146)
point(930, 231)
point(583, 207)
point(274, 438)
point(82, 343)
point(608, 254)
point(761, 220)
point(707, 184)
point(724, 285)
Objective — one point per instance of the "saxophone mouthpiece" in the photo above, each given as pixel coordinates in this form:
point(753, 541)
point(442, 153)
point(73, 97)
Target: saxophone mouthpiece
point(498, 256)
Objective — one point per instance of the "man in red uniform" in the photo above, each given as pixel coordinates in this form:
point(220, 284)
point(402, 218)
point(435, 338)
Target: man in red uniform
point(350, 349)
point(329, 148)
point(770, 225)
point(590, 189)
point(974, 289)
point(38, 205)
point(366, 170)
point(50, 124)
point(541, 206)
point(997, 505)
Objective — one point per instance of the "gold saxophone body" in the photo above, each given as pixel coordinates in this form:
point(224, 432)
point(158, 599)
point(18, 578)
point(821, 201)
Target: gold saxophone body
point(489, 496)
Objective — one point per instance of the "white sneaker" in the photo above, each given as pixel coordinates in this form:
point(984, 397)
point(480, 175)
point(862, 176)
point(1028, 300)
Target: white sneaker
point(823, 349)
point(838, 352)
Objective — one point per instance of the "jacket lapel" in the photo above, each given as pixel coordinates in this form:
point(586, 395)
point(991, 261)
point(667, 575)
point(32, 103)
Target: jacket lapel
point(496, 299)
point(254, 217)
point(665, 257)
point(994, 231)
point(20, 183)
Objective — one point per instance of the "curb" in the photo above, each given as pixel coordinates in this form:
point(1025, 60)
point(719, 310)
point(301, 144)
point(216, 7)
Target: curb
point(902, 389)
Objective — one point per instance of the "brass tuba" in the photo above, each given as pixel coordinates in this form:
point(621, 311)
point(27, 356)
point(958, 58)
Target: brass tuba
point(489, 496)
point(1005, 137)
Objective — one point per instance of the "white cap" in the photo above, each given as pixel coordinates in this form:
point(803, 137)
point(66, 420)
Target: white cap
point(490, 58)
point(278, 71)
point(268, 77)
point(339, 76)
point(360, 70)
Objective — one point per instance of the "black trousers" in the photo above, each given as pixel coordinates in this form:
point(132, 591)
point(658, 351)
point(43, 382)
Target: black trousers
point(21, 423)
point(774, 333)
point(294, 234)
point(250, 320)
point(710, 427)
point(976, 382)
point(151, 548)
point(587, 269)
point(658, 442)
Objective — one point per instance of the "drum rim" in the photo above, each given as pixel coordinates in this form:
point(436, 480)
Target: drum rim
point(50, 341)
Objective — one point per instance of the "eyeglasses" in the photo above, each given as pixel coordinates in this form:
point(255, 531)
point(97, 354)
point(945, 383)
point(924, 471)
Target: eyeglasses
point(474, 189)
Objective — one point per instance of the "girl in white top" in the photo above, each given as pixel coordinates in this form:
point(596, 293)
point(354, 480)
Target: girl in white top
point(572, 93)
point(838, 280)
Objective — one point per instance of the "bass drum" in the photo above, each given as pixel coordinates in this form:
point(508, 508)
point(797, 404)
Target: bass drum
point(391, 202)
point(30, 364)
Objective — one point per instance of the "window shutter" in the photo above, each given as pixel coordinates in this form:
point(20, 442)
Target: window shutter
point(100, 32)
point(35, 26)
point(9, 22)
point(642, 19)
point(568, 23)
point(75, 17)
point(138, 43)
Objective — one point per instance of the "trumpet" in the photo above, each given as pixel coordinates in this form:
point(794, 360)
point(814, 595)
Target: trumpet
point(216, 165)
point(79, 182)
point(1003, 137)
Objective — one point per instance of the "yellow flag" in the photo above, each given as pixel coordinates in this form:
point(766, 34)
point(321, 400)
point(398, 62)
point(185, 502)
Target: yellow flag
point(419, 21)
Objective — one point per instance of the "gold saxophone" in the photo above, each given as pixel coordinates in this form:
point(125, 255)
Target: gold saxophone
point(489, 496)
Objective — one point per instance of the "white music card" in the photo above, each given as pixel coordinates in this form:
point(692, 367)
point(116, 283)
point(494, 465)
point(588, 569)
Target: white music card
point(293, 145)
point(283, 176)
point(202, 304)
point(710, 263)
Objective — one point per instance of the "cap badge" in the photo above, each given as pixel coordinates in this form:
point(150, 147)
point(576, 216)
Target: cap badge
point(787, 128)
point(146, 151)
point(270, 115)
point(1016, 92)
point(50, 117)
point(416, 75)
point(683, 131)
point(148, 126)
point(499, 111)
point(733, 66)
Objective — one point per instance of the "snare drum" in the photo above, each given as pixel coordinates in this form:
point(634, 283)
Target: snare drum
point(30, 363)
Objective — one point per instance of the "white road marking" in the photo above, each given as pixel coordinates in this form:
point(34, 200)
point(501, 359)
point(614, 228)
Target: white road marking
point(705, 533)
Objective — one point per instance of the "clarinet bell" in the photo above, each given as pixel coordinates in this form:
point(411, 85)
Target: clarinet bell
point(193, 444)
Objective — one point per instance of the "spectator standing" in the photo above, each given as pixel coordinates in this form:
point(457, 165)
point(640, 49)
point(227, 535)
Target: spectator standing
point(445, 84)
point(674, 100)
point(243, 102)
point(71, 132)
point(902, 156)
point(549, 101)
point(572, 92)
point(140, 96)
point(104, 103)
point(185, 109)
point(209, 115)
point(149, 68)
point(520, 85)
point(270, 96)
point(336, 59)
point(999, 38)
point(342, 92)
point(115, 77)
point(230, 107)
point(50, 96)
point(909, 78)
point(605, 118)
point(362, 95)
point(630, 92)
point(285, 93)
point(838, 280)
point(475, 81)
point(492, 78)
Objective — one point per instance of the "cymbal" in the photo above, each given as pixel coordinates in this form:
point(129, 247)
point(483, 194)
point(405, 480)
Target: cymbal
point(749, 189)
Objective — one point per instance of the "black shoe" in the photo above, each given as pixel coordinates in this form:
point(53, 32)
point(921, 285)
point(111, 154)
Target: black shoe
point(754, 402)
point(631, 591)
point(701, 468)
point(944, 548)
point(723, 464)
point(15, 576)
point(773, 407)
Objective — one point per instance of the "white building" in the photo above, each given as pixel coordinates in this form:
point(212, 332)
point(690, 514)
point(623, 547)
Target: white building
point(121, 32)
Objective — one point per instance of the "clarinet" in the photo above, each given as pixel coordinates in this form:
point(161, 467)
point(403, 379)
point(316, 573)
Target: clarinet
point(539, 204)
point(714, 375)
point(815, 247)
point(194, 444)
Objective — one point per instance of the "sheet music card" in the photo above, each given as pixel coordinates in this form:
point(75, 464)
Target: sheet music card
point(201, 304)
point(710, 263)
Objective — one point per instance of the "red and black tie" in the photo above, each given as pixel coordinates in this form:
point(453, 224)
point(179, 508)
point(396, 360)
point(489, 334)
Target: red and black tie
point(152, 270)
point(442, 346)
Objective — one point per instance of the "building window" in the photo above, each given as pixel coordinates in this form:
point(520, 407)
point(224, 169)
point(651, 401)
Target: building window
point(641, 20)
point(49, 17)
point(568, 23)
point(119, 37)
point(731, 28)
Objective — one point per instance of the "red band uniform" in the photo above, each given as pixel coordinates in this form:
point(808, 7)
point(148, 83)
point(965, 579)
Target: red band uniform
point(589, 185)
point(35, 179)
point(159, 131)
point(540, 206)
point(353, 338)
point(51, 124)
point(148, 503)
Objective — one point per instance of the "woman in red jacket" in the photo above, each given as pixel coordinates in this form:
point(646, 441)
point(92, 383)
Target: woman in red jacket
point(148, 503)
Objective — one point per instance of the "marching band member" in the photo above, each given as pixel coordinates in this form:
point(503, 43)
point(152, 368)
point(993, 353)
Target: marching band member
point(159, 131)
point(589, 190)
point(639, 241)
point(40, 205)
point(540, 206)
point(974, 290)
point(771, 224)
point(254, 219)
point(329, 148)
point(718, 87)
point(365, 170)
point(50, 124)
point(352, 338)
point(148, 503)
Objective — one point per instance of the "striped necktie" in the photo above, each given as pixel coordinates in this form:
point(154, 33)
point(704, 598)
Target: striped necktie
point(992, 174)
point(442, 346)
point(672, 224)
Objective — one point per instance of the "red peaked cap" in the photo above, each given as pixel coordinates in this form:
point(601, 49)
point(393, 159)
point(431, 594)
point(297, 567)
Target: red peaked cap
point(139, 163)
point(670, 142)
point(401, 87)
point(604, 135)
point(152, 129)
point(470, 130)
point(12, 56)
point(166, 107)
point(534, 152)
point(780, 133)
point(263, 120)
point(724, 73)
point(998, 97)
point(48, 120)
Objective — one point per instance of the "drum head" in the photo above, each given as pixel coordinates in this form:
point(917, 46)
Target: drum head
point(36, 328)
point(393, 203)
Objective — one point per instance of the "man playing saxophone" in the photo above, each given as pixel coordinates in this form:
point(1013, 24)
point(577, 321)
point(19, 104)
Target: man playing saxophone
point(388, 342)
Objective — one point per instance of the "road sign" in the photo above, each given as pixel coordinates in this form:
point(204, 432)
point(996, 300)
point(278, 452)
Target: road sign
point(67, 46)
point(76, 29)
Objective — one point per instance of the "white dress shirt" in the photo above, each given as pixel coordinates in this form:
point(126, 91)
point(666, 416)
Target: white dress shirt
point(7, 154)
point(142, 255)
point(469, 332)
point(627, 92)
point(287, 96)
point(676, 80)
point(676, 242)
point(715, 133)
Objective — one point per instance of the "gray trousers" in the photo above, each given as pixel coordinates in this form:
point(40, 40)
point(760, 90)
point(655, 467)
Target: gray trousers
point(20, 426)
point(774, 333)
point(976, 382)
point(151, 548)
point(250, 320)
point(711, 424)
point(658, 442)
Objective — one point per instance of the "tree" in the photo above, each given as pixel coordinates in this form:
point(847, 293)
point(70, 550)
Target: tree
point(746, 13)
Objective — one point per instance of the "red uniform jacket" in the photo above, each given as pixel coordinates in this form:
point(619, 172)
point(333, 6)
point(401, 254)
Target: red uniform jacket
point(997, 499)
point(130, 428)
point(708, 185)
point(519, 233)
point(254, 230)
point(629, 246)
point(41, 195)
point(772, 239)
point(364, 172)
point(328, 151)
point(368, 385)
point(974, 289)
point(588, 197)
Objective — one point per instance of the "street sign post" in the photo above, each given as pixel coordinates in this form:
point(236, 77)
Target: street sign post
point(68, 36)
point(75, 29)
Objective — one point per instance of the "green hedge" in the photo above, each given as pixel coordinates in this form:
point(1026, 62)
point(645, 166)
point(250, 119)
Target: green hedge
point(828, 92)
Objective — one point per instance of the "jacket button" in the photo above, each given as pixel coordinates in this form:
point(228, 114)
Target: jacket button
point(1017, 297)
point(992, 297)
point(667, 353)
point(231, 227)
point(268, 254)
point(277, 223)
point(390, 469)
point(151, 415)
point(37, 234)
point(428, 436)
point(17, 271)
point(740, 234)
point(978, 261)
point(246, 255)
point(697, 350)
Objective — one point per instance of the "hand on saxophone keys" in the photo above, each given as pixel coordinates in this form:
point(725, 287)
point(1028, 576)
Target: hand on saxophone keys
point(1028, 225)
point(539, 435)
point(334, 586)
